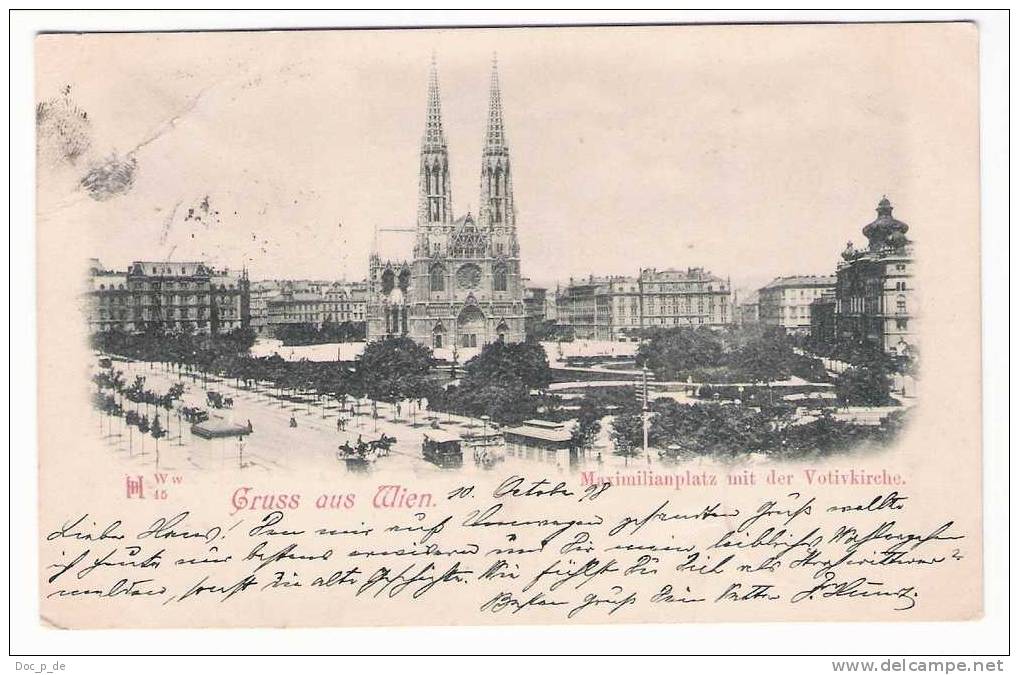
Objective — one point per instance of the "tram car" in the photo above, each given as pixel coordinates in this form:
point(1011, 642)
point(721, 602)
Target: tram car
point(443, 449)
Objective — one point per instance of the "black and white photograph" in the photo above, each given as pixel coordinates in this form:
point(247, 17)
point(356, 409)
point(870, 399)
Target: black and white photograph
point(510, 326)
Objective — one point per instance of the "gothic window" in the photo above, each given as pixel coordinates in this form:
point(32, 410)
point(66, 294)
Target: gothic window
point(388, 282)
point(404, 280)
point(499, 278)
point(437, 278)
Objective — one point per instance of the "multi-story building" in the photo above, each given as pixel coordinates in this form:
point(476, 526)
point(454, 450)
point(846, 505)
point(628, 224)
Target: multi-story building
point(624, 303)
point(452, 281)
point(619, 307)
point(280, 302)
point(585, 305)
point(344, 302)
point(691, 297)
point(535, 307)
point(170, 296)
point(747, 310)
point(822, 318)
point(785, 302)
point(261, 293)
point(875, 300)
point(294, 304)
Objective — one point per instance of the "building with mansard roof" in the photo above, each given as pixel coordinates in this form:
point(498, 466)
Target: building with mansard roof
point(452, 281)
point(185, 297)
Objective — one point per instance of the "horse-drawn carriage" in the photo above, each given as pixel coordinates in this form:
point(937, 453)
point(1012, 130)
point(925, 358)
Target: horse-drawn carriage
point(218, 401)
point(194, 414)
point(363, 453)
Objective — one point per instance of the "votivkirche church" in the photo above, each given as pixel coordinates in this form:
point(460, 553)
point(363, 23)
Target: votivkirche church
point(452, 282)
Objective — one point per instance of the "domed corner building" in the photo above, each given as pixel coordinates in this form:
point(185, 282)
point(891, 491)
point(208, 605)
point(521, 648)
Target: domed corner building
point(875, 296)
point(452, 282)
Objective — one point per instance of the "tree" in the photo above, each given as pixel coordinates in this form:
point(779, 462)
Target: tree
point(674, 352)
point(144, 428)
point(393, 369)
point(498, 382)
point(507, 402)
point(627, 433)
point(716, 430)
point(525, 361)
point(866, 385)
point(157, 432)
point(764, 359)
point(157, 429)
point(541, 331)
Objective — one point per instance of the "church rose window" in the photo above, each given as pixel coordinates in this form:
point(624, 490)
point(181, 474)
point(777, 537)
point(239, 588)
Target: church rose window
point(468, 276)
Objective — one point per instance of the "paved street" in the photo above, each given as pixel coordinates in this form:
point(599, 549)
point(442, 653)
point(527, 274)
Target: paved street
point(274, 445)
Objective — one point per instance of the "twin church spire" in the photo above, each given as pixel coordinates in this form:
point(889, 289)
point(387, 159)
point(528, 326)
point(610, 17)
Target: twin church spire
point(434, 191)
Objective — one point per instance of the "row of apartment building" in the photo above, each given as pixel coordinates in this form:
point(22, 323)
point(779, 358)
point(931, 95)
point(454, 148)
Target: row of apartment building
point(194, 297)
point(616, 308)
point(869, 300)
point(288, 302)
point(172, 296)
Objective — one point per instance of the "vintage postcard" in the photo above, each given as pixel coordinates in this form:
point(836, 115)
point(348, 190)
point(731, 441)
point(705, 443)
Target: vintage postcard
point(560, 325)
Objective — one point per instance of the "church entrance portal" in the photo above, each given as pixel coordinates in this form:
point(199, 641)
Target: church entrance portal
point(471, 327)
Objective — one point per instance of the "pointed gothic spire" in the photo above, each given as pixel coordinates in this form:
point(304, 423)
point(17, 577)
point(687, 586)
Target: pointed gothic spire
point(495, 136)
point(496, 205)
point(434, 135)
point(434, 197)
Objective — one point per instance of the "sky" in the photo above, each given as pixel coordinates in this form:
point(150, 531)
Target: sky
point(753, 151)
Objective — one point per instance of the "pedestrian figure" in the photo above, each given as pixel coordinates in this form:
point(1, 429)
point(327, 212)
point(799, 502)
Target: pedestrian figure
point(293, 422)
point(398, 409)
point(251, 429)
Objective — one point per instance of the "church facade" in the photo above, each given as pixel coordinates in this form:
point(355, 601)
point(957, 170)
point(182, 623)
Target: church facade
point(452, 282)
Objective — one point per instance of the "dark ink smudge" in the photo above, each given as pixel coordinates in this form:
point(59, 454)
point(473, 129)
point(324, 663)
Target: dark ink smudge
point(111, 177)
point(63, 130)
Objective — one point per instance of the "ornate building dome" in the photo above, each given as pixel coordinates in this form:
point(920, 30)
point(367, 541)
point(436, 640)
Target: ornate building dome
point(885, 231)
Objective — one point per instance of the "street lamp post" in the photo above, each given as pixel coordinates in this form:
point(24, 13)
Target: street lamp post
point(484, 435)
point(644, 415)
